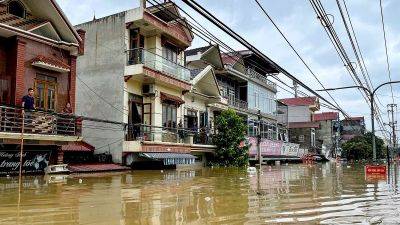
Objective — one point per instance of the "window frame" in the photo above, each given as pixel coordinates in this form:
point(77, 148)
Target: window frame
point(46, 83)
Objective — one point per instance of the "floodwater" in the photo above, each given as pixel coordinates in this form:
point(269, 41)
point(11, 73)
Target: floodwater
point(286, 194)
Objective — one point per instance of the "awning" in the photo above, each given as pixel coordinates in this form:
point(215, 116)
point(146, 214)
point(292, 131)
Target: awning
point(78, 147)
point(50, 64)
point(171, 158)
point(171, 98)
point(165, 155)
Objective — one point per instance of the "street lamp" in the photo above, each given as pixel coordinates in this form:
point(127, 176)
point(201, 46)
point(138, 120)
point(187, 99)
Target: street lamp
point(371, 95)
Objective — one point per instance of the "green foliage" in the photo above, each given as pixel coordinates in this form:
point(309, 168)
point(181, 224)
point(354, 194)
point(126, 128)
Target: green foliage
point(361, 148)
point(230, 134)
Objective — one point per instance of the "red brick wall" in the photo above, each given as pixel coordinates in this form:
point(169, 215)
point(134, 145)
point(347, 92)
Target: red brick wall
point(72, 82)
point(20, 71)
point(34, 49)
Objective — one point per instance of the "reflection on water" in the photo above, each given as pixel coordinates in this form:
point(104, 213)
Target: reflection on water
point(292, 194)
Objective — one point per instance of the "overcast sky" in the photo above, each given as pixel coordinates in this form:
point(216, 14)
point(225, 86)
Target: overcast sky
point(300, 25)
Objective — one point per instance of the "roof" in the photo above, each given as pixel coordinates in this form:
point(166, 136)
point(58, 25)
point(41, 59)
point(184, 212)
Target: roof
point(260, 65)
point(304, 125)
point(325, 116)
point(54, 62)
point(300, 101)
point(26, 24)
point(40, 12)
point(78, 147)
point(356, 118)
point(171, 98)
point(230, 58)
point(196, 51)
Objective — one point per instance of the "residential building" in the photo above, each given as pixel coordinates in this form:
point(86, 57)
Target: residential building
point(38, 49)
point(243, 84)
point(352, 127)
point(327, 133)
point(282, 119)
point(302, 128)
point(135, 61)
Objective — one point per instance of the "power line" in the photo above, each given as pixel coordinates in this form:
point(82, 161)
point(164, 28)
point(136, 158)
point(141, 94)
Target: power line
point(296, 52)
point(386, 49)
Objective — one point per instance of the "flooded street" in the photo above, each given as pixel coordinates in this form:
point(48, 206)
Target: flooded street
point(286, 194)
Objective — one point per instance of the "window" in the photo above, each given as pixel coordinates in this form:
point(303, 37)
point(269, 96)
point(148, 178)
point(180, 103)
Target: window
point(169, 115)
point(46, 92)
point(301, 138)
point(191, 119)
point(16, 8)
point(170, 53)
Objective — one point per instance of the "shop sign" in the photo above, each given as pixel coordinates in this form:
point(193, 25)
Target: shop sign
point(32, 161)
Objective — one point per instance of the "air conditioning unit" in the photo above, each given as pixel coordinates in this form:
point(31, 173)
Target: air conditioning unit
point(148, 90)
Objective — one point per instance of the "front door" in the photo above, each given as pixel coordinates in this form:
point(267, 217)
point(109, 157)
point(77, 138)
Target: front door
point(45, 92)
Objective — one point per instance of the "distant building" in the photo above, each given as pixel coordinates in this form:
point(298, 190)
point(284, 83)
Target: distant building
point(326, 134)
point(352, 127)
point(300, 120)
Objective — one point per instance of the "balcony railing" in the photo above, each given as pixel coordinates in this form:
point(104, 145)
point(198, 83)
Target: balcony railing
point(142, 132)
point(255, 75)
point(39, 122)
point(157, 62)
point(238, 103)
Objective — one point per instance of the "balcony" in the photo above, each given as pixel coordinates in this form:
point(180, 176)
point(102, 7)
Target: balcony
point(237, 103)
point(141, 132)
point(257, 76)
point(38, 123)
point(157, 63)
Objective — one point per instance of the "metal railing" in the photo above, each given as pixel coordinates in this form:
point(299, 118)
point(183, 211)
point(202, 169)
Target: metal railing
point(157, 62)
point(142, 132)
point(255, 75)
point(39, 122)
point(238, 103)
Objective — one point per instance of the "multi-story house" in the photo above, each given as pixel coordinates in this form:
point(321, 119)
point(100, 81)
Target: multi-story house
point(327, 135)
point(352, 127)
point(135, 61)
point(300, 118)
point(38, 49)
point(242, 80)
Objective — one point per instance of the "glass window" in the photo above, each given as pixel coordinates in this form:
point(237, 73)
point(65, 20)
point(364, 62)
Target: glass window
point(169, 115)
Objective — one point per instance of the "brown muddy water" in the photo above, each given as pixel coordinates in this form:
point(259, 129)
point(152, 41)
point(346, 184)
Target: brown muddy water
point(286, 194)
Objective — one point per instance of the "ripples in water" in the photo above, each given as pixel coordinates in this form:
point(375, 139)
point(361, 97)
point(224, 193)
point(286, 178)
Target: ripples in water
point(287, 194)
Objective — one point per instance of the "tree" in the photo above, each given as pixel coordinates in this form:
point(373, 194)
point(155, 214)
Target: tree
point(361, 147)
point(229, 139)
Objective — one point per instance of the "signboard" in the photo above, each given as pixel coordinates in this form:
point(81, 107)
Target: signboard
point(268, 147)
point(370, 169)
point(33, 161)
point(290, 149)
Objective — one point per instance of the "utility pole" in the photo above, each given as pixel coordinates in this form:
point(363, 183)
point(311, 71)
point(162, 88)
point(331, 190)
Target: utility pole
point(259, 139)
point(296, 89)
point(393, 123)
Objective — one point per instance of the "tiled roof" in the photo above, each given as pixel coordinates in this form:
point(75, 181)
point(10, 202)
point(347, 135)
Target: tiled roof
point(304, 125)
point(326, 116)
point(300, 101)
point(21, 23)
point(357, 118)
point(78, 147)
point(51, 61)
point(229, 58)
